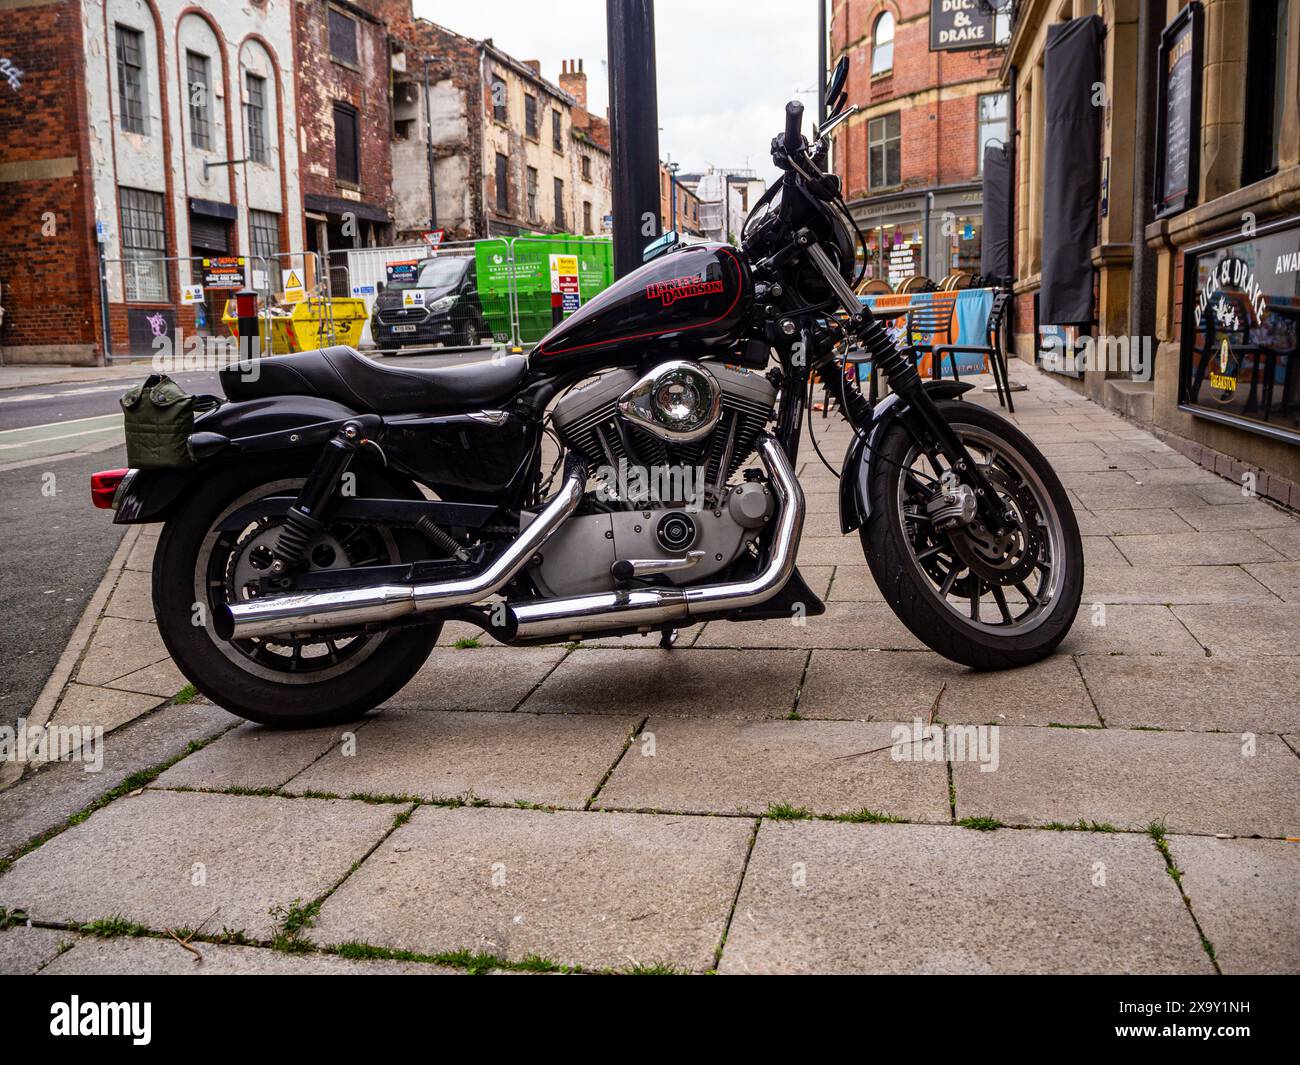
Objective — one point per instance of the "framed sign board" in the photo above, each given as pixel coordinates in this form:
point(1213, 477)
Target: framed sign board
point(1178, 111)
point(960, 25)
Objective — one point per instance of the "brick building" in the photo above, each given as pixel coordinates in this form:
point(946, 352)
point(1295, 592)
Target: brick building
point(914, 152)
point(121, 110)
point(345, 156)
point(686, 220)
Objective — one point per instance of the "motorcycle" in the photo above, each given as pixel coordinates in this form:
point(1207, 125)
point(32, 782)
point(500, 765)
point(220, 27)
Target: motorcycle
point(337, 512)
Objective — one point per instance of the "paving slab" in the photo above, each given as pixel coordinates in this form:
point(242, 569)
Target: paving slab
point(900, 685)
point(90, 706)
point(169, 859)
point(611, 890)
point(1195, 782)
point(254, 757)
point(1282, 578)
point(1238, 631)
point(1140, 497)
point(836, 898)
point(1100, 551)
point(1208, 694)
point(731, 767)
point(463, 679)
point(1247, 514)
point(1196, 549)
point(835, 550)
point(1173, 585)
point(132, 598)
point(47, 797)
point(854, 584)
point(844, 625)
point(120, 646)
point(1122, 629)
point(166, 957)
point(162, 679)
point(549, 759)
point(24, 950)
point(705, 682)
point(1285, 541)
point(1246, 895)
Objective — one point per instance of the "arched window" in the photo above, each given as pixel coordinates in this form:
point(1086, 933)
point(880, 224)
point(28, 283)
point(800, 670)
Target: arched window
point(882, 45)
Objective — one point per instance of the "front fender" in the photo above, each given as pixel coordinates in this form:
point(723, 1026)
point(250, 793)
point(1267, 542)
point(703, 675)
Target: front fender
point(233, 432)
point(855, 474)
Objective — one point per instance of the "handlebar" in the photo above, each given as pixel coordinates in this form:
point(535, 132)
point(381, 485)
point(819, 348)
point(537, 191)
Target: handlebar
point(793, 126)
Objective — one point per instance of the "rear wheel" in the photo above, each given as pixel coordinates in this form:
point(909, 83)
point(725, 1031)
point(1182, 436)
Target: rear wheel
point(318, 679)
point(989, 602)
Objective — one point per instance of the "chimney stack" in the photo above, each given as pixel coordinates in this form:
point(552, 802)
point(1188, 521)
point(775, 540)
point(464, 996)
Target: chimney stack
point(574, 81)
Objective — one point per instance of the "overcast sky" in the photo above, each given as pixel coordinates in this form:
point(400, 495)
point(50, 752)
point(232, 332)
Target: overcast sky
point(725, 69)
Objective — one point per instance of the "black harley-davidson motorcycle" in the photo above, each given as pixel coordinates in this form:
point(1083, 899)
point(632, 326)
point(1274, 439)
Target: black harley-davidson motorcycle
point(303, 576)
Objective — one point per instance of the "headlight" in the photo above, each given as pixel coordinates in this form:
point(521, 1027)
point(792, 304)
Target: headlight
point(444, 304)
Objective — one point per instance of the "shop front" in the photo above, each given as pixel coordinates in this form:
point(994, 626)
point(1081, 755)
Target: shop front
point(1241, 316)
point(896, 231)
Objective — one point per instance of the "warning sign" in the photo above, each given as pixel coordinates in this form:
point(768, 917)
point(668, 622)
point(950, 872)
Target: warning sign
point(434, 237)
point(226, 271)
point(192, 294)
point(292, 286)
point(565, 292)
point(413, 297)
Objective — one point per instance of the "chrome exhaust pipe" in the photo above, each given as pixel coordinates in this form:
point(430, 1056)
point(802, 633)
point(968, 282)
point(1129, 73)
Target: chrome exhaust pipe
point(562, 619)
point(314, 611)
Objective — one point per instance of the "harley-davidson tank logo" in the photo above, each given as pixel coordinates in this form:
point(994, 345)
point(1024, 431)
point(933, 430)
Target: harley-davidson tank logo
point(681, 288)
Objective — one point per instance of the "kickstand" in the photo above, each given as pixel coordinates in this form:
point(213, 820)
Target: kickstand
point(667, 639)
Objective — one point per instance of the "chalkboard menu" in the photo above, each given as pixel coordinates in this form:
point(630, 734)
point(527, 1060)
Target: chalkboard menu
point(1178, 127)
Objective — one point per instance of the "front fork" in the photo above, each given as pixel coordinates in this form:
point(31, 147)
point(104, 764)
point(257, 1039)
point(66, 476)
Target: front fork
point(927, 423)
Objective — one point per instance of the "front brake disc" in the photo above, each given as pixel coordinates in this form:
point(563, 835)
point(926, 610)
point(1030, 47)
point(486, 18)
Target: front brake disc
point(1010, 557)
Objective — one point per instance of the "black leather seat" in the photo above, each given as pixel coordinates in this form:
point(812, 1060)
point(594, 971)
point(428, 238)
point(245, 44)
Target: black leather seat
point(348, 377)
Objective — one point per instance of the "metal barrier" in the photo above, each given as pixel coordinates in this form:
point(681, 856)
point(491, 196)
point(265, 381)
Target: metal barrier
point(502, 292)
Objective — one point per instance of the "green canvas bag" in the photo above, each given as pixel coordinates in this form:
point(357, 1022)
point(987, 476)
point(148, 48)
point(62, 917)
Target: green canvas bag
point(159, 417)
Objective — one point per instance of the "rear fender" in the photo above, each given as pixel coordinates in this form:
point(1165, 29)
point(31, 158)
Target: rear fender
point(855, 475)
point(231, 433)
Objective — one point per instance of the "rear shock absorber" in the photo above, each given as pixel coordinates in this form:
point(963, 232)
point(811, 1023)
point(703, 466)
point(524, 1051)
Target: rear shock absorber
point(301, 521)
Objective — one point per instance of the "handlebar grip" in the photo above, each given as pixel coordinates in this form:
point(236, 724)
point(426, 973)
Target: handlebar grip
point(793, 126)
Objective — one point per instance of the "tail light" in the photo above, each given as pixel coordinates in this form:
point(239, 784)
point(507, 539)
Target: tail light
point(104, 485)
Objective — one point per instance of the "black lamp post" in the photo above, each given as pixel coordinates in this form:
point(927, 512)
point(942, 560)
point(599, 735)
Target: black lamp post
point(634, 120)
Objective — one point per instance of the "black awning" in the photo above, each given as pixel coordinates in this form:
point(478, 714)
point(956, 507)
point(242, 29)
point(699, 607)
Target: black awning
point(995, 251)
point(214, 209)
point(337, 205)
point(1071, 169)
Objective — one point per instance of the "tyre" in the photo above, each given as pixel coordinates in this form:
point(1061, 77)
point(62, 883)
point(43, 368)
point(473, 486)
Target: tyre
point(469, 334)
point(321, 679)
point(986, 602)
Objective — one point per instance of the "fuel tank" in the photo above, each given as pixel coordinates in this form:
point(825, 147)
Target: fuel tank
point(697, 296)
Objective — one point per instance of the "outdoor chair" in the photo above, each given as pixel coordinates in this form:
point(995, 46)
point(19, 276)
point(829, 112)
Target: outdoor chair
point(995, 350)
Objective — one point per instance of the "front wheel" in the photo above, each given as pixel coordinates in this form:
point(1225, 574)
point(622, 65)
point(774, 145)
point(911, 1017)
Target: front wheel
point(986, 601)
point(203, 561)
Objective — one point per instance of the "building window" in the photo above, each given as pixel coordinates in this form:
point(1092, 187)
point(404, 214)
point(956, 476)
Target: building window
point(883, 143)
point(264, 227)
point(503, 186)
point(130, 79)
point(586, 216)
point(343, 37)
point(586, 168)
point(882, 45)
point(1265, 89)
point(557, 131)
point(530, 190)
point(255, 116)
point(499, 98)
point(144, 239)
point(347, 162)
point(559, 204)
point(992, 124)
point(200, 90)
point(530, 116)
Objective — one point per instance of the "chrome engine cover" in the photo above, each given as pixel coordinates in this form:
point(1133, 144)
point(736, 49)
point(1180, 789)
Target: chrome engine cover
point(679, 402)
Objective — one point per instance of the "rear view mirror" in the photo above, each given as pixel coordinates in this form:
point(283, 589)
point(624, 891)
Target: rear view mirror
point(836, 92)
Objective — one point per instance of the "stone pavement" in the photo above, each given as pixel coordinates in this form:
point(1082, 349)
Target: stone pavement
point(726, 805)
